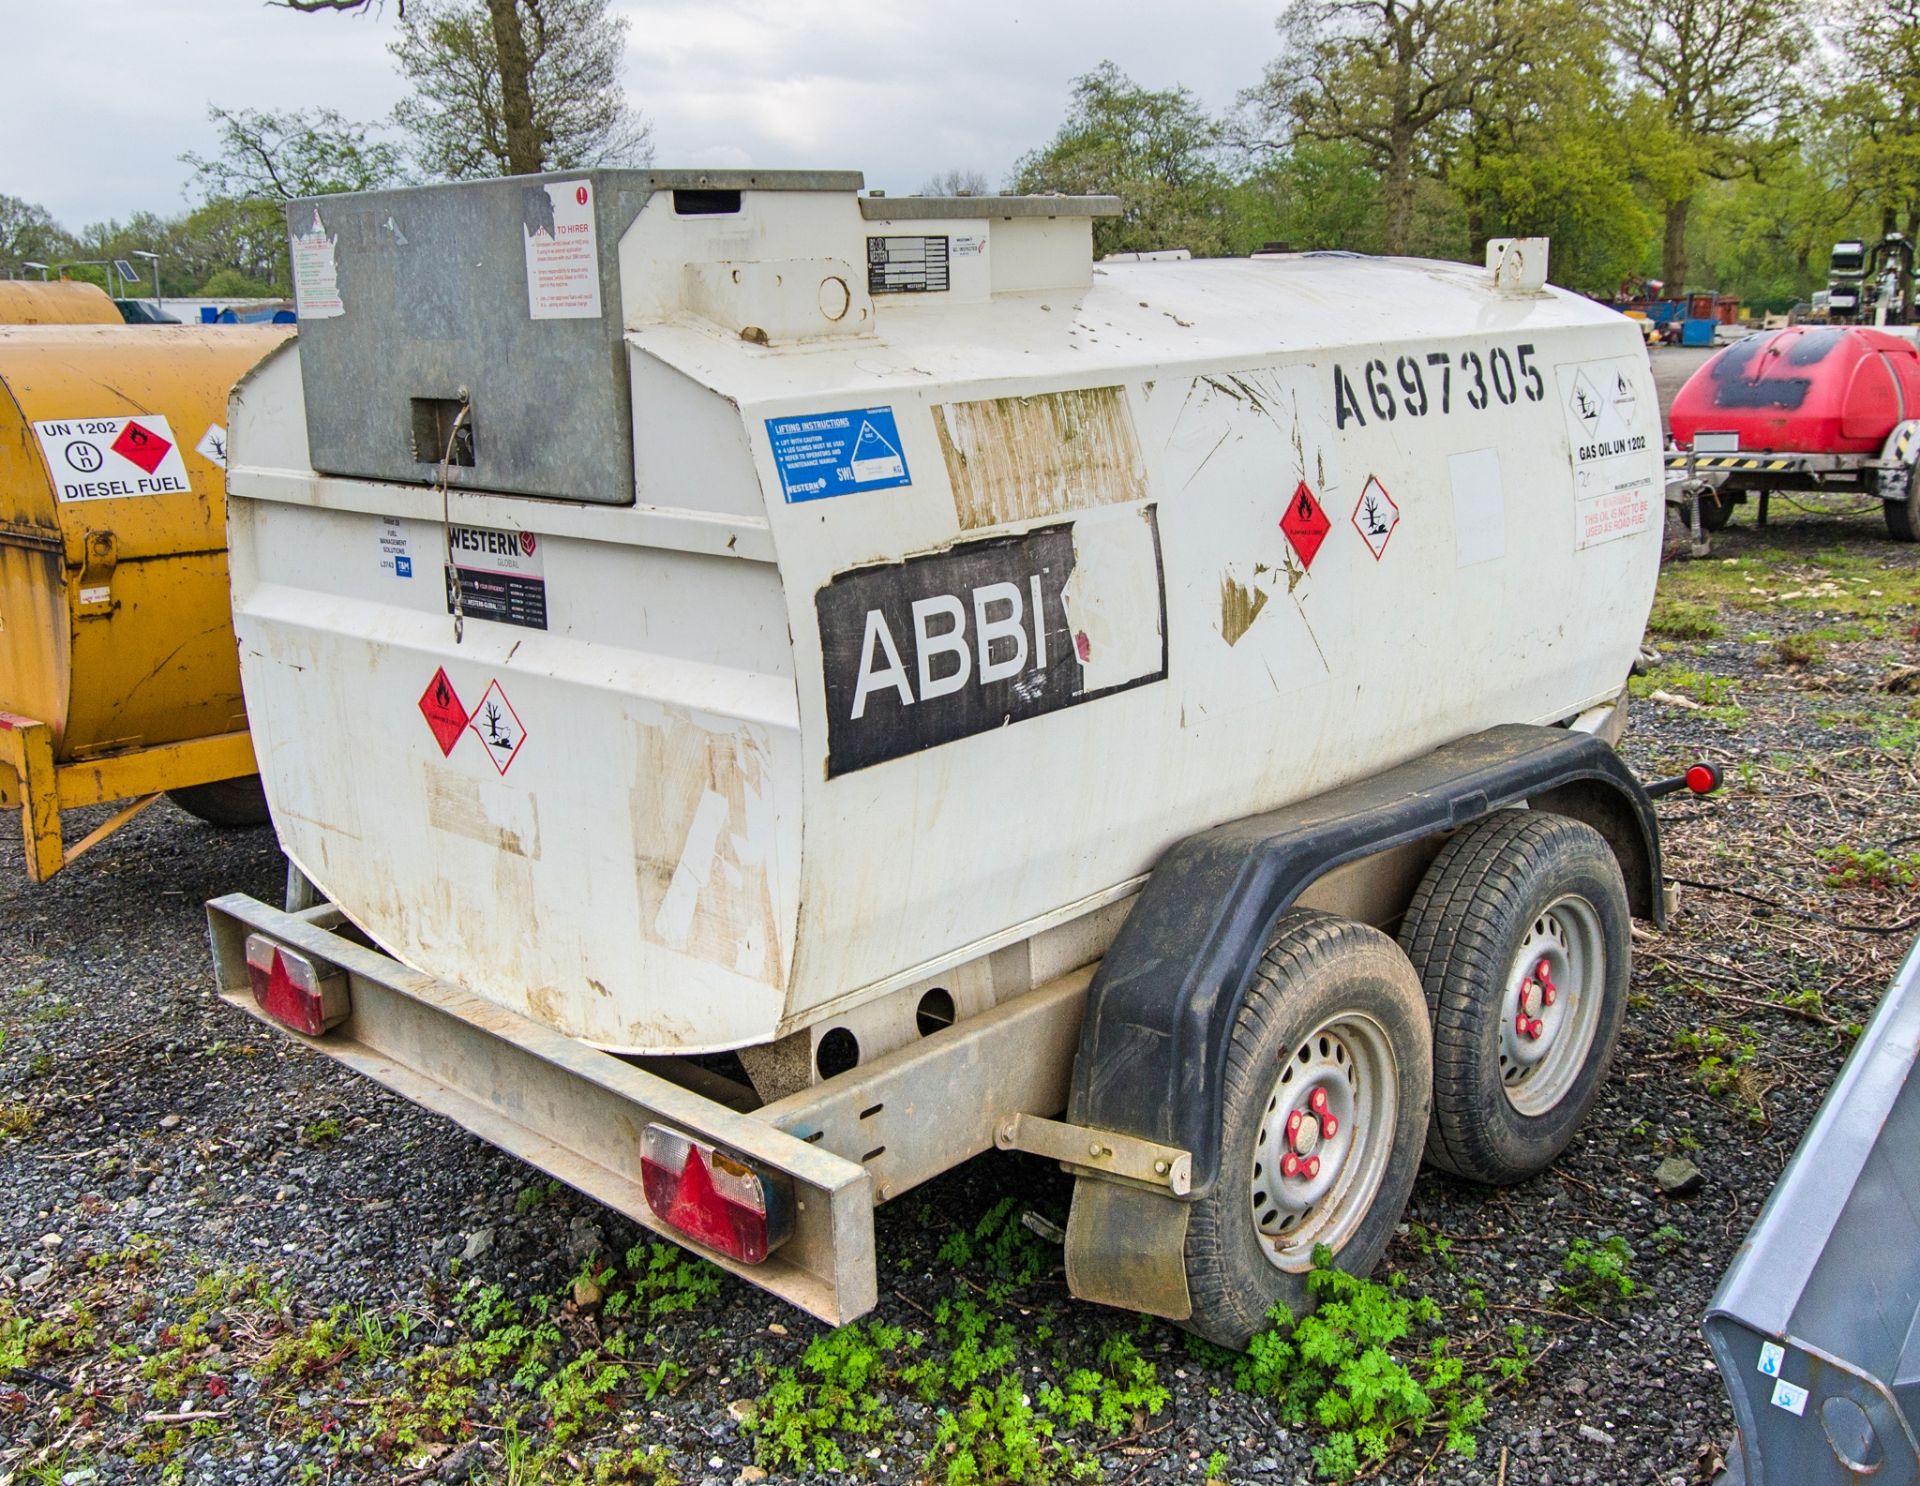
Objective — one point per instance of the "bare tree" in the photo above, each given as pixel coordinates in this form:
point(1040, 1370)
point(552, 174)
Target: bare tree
point(516, 87)
point(957, 183)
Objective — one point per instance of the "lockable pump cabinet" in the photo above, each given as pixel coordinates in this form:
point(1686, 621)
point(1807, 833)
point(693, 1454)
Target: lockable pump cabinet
point(686, 613)
point(118, 674)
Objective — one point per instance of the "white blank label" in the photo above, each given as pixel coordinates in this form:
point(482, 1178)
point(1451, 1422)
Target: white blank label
point(1479, 507)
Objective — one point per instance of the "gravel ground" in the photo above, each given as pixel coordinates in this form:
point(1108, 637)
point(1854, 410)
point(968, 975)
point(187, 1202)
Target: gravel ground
point(223, 1260)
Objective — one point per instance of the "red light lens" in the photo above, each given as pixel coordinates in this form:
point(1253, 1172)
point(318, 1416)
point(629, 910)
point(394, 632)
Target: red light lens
point(295, 991)
point(1703, 779)
point(712, 1197)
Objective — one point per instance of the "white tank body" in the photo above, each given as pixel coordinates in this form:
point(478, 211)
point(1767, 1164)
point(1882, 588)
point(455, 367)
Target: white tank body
point(935, 616)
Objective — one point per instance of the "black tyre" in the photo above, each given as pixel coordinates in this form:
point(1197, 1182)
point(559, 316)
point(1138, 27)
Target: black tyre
point(1903, 516)
point(225, 802)
point(1715, 514)
point(1325, 1108)
point(1519, 1053)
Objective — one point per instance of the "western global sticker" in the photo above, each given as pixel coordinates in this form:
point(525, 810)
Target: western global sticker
point(500, 574)
point(110, 458)
point(826, 454)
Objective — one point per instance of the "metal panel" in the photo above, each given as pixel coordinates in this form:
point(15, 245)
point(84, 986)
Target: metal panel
point(1816, 1325)
point(431, 284)
point(575, 1113)
point(912, 1114)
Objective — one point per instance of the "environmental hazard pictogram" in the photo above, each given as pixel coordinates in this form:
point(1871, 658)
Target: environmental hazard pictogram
point(1305, 524)
point(1375, 516)
point(498, 726)
point(440, 705)
point(141, 445)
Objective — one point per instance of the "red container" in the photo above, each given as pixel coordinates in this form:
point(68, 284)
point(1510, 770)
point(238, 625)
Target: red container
point(1809, 389)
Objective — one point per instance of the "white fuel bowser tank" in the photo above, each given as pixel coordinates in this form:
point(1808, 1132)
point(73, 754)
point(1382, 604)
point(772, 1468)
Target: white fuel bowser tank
point(690, 609)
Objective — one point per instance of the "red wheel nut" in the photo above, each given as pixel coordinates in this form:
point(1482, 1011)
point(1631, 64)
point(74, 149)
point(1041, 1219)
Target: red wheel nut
point(1520, 1024)
point(1534, 1028)
point(1289, 1164)
point(1318, 1099)
point(1548, 994)
point(1293, 1124)
point(1329, 1126)
point(1311, 1167)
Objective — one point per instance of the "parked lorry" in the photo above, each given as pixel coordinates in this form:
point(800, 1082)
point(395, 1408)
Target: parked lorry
point(777, 691)
point(119, 679)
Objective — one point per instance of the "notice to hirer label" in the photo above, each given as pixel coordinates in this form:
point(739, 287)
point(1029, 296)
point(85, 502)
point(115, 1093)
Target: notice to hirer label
point(563, 266)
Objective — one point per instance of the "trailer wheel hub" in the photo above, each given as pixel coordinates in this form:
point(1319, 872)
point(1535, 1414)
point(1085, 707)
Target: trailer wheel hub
point(1323, 1140)
point(1556, 976)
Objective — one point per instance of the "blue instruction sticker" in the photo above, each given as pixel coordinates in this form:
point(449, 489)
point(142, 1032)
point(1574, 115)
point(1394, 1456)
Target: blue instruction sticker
point(823, 454)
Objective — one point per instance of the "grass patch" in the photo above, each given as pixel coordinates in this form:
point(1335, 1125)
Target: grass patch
point(1680, 619)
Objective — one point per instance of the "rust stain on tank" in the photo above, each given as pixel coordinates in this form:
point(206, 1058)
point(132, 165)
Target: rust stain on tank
point(1240, 605)
point(702, 827)
point(1016, 458)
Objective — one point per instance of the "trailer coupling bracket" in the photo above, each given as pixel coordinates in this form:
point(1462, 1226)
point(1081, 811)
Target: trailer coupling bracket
point(1099, 1152)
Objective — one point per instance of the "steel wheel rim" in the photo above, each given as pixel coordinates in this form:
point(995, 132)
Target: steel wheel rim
point(1349, 1060)
point(1543, 1046)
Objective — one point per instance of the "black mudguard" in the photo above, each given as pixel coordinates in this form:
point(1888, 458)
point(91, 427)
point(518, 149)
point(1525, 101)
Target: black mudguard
point(1153, 1044)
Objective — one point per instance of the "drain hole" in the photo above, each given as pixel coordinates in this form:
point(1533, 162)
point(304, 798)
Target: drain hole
point(934, 1012)
point(839, 1050)
point(872, 1110)
point(878, 1150)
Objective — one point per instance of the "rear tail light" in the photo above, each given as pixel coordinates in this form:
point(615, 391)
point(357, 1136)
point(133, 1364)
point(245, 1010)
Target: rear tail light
point(713, 1197)
point(306, 995)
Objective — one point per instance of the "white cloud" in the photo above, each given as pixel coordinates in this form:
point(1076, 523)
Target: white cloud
point(115, 90)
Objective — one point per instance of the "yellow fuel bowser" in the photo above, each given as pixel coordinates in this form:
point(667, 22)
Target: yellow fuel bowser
point(61, 302)
point(119, 678)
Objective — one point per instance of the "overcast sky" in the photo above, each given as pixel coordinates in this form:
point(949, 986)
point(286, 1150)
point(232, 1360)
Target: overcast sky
point(103, 96)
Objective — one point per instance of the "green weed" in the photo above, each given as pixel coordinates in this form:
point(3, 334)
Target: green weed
point(1595, 1277)
point(1871, 868)
point(1337, 1368)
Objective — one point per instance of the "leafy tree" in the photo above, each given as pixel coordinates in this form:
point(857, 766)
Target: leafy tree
point(1308, 196)
point(265, 159)
point(1159, 152)
point(1390, 77)
point(29, 233)
point(515, 87)
point(231, 283)
point(1540, 151)
point(1717, 76)
point(1873, 110)
point(268, 156)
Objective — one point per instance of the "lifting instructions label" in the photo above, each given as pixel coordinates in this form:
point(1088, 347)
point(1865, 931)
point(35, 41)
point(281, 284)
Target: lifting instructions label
point(823, 454)
point(106, 458)
point(500, 574)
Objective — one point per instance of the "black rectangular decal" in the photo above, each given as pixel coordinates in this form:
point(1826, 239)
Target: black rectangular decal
point(937, 648)
point(906, 265)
